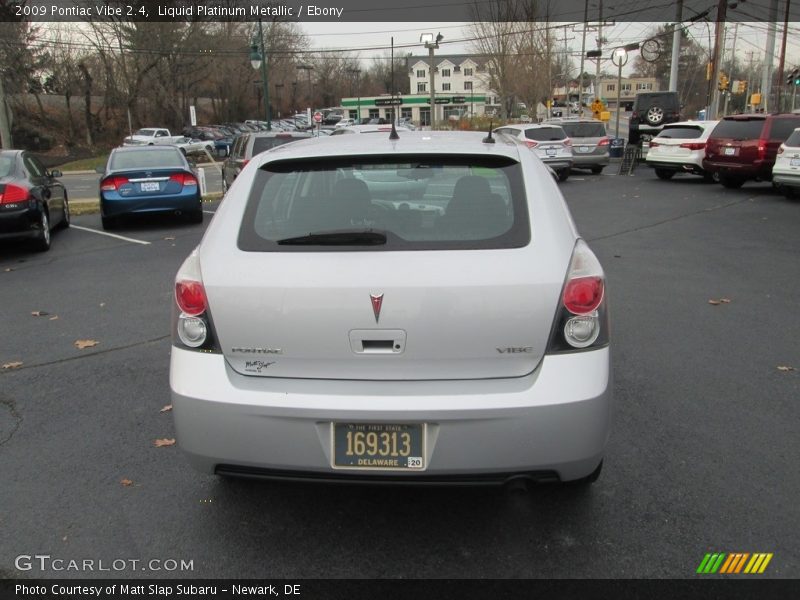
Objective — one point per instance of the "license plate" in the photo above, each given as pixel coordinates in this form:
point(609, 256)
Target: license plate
point(730, 151)
point(150, 186)
point(379, 446)
point(551, 151)
point(795, 162)
point(583, 148)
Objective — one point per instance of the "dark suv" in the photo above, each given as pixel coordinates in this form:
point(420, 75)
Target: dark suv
point(651, 111)
point(743, 147)
point(247, 145)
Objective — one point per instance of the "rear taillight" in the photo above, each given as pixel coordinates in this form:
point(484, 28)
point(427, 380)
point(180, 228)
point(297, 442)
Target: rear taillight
point(762, 149)
point(654, 144)
point(113, 183)
point(693, 145)
point(582, 319)
point(781, 148)
point(244, 162)
point(14, 193)
point(186, 179)
point(531, 143)
point(634, 115)
point(568, 142)
point(192, 325)
point(605, 142)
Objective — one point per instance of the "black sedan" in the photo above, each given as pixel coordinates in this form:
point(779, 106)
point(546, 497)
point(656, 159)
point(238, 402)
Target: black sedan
point(32, 200)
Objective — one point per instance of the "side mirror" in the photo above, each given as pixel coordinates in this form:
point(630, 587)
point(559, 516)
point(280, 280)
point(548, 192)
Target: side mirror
point(55, 173)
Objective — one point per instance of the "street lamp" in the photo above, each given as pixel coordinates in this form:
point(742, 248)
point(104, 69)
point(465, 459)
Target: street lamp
point(619, 57)
point(258, 58)
point(357, 73)
point(307, 69)
point(432, 44)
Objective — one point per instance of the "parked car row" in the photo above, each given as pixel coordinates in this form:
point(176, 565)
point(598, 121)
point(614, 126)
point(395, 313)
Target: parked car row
point(733, 150)
point(565, 144)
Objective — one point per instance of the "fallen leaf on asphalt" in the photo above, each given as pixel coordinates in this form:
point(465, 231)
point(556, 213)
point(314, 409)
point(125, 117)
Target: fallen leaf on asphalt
point(126, 482)
point(12, 365)
point(167, 408)
point(785, 369)
point(169, 239)
point(714, 302)
point(39, 313)
point(81, 344)
point(8, 270)
point(164, 442)
point(102, 304)
point(53, 318)
point(725, 300)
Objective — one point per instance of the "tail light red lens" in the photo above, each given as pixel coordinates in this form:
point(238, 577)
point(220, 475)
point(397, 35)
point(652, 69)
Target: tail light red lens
point(654, 144)
point(244, 162)
point(531, 143)
point(634, 115)
point(781, 149)
point(186, 179)
point(606, 142)
point(762, 149)
point(191, 297)
point(693, 145)
point(568, 142)
point(14, 193)
point(583, 295)
point(113, 183)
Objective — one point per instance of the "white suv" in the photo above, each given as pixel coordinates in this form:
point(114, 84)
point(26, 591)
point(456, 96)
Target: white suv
point(548, 141)
point(680, 148)
point(786, 171)
point(324, 329)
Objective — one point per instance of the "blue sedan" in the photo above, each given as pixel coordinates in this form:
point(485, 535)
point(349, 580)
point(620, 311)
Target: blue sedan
point(148, 179)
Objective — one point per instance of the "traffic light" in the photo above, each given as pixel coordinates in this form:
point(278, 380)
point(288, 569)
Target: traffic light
point(723, 82)
point(741, 86)
point(793, 78)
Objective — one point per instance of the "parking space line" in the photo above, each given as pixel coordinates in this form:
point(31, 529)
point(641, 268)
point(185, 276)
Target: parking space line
point(113, 235)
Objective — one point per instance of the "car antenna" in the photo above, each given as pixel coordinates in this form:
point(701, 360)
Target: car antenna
point(489, 139)
point(393, 136)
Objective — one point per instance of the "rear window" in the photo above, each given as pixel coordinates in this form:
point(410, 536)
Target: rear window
point(794, 139)
point(742, 129)
point(418, 203)
point(645, 99)
point(545, 134)
point(681, 133)
point(152, 158)
point(782, 128)
point(584, 130)
point(260, 144)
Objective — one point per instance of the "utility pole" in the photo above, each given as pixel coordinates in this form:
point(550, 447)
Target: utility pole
point(731, 66)
point(766, 76)
point(782, 61)
point(583, 57)
point(676, 47)
point(599, 47)
point(749, 91)
point(722, 8)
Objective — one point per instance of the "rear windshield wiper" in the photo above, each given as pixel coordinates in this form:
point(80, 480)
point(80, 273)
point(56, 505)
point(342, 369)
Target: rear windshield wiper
point(363, 237)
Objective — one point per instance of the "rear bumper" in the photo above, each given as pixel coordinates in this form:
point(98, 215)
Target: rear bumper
point(590, 160)
point(788, 179)
point(19, 224)
point(112, 207)
point(547, 424)
point(558, 163)
point(677, 165)
point(756, 170)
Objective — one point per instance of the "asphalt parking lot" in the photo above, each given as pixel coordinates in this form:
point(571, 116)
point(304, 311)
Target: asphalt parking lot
point(701, 457)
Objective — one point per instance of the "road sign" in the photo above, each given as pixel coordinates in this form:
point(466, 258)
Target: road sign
point(459, 99)
point(193, 116)
point(442, 100)
point(317, 117)
point(388, 101)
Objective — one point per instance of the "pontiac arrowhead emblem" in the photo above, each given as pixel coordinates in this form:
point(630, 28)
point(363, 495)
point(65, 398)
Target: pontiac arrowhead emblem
point(377, 301)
